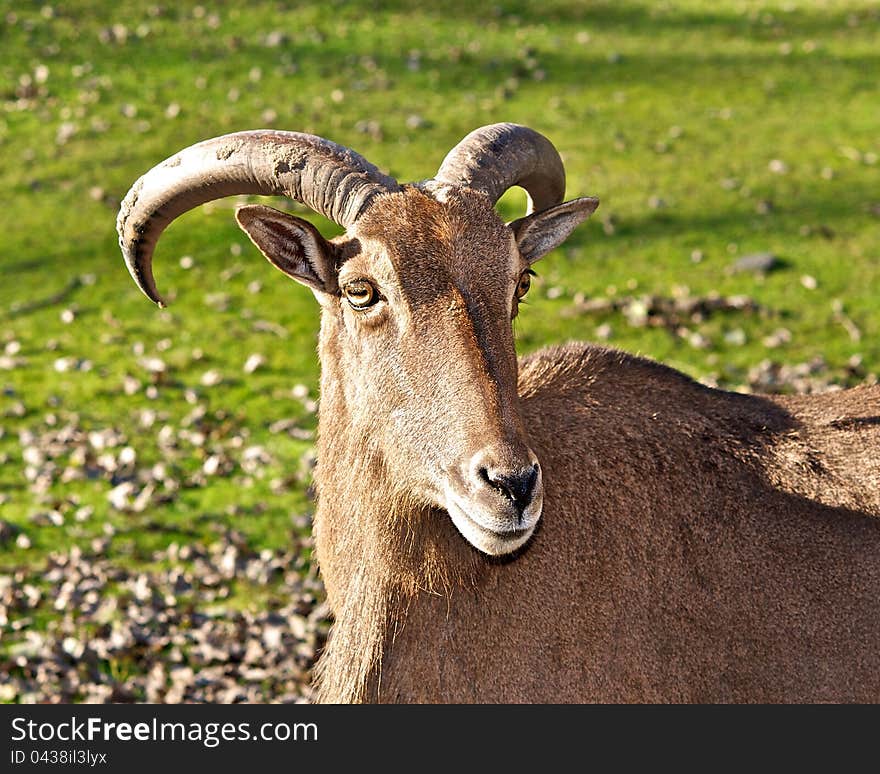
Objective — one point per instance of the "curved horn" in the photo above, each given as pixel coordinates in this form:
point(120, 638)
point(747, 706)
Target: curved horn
point(496, 157)
point(329, 178)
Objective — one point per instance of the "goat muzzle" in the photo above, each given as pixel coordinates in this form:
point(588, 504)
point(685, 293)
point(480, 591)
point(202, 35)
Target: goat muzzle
point(496, 500)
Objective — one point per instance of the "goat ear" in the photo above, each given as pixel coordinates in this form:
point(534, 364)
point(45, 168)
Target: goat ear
point(537, 234)
point(291, 244)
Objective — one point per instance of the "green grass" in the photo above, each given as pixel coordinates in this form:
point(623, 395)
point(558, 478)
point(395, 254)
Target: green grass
point(685, 102)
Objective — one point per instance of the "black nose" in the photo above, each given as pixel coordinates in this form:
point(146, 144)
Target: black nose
point(518, 485)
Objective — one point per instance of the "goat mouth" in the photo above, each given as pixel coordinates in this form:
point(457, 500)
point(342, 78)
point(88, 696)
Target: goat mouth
point(493, 542)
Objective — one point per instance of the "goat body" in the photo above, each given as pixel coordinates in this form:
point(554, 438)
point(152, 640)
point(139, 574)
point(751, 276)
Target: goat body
point(696, 546)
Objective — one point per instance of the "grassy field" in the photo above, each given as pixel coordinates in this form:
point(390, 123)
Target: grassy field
point(709, 130)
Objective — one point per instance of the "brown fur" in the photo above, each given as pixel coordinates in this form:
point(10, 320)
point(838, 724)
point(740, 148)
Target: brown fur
point(695, 545)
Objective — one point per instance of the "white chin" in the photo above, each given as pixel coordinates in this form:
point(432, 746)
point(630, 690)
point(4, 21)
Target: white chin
point(486, 540)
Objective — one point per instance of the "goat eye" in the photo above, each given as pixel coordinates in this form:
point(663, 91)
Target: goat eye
point(525, 282)
point(360, 294)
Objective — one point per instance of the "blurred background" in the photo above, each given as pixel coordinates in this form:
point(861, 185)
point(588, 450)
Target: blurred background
point(155, 465)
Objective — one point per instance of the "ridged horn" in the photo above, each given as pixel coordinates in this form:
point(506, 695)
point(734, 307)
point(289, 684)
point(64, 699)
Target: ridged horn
point(496, 157)
point(329, 178)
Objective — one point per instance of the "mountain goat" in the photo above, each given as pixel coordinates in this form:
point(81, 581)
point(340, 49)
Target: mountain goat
point(581, 525)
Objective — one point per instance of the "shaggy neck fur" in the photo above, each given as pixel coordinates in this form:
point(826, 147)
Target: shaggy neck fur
point(377, 546)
